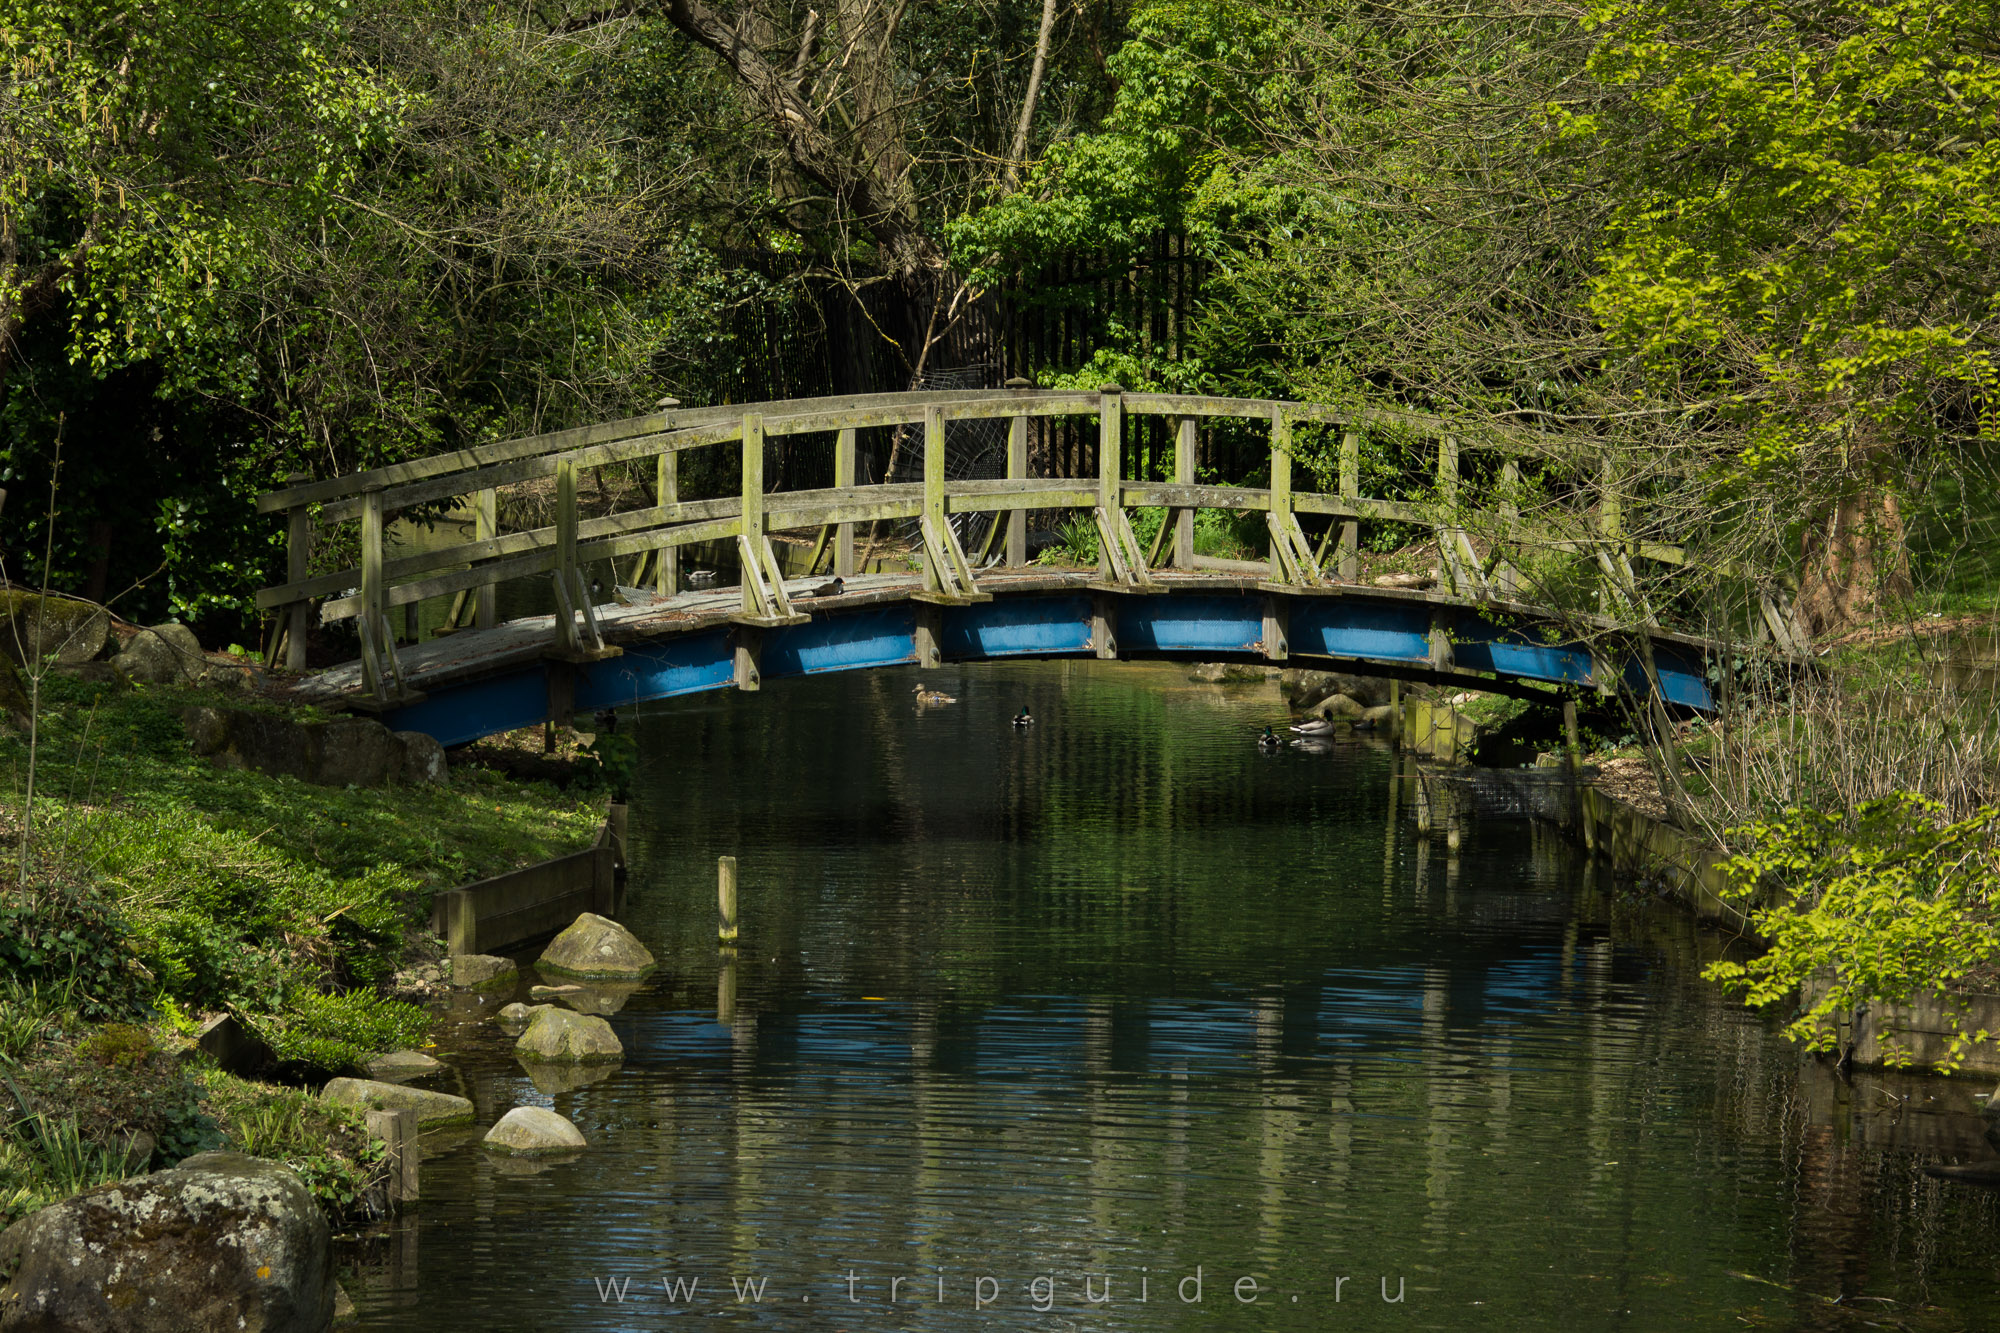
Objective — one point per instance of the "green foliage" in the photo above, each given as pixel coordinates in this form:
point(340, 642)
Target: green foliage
point(119, 1045)
point(1883, 906)
point(328, 1033)
point(67, 936)
point(327, 1145)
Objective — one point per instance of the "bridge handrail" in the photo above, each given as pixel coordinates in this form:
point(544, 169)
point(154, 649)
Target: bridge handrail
point(656, 532)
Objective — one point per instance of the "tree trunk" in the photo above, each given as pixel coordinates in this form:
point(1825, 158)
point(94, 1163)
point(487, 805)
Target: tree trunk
point(1854, 561)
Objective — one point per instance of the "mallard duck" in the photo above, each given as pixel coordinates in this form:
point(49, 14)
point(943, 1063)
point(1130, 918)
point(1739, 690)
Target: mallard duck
point(1021, 719)
point(1315, 726)
point(1269, 740)
point(925, 696)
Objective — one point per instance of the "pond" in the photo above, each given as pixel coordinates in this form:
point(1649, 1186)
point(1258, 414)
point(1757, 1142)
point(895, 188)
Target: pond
point(1117, 1022)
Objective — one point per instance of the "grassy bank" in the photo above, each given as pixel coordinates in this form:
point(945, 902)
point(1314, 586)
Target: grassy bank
point(145, 890)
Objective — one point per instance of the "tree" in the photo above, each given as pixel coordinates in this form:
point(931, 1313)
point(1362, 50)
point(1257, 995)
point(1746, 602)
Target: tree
point(1804, 250)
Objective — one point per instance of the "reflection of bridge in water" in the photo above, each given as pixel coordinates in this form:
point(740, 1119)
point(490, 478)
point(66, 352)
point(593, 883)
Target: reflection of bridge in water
point(1157, 599)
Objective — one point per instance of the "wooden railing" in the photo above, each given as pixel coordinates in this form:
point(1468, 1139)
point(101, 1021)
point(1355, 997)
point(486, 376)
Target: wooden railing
point(656, 533)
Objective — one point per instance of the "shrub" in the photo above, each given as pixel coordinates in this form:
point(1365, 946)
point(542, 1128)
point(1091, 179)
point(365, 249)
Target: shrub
point(58, 935)
point(325, 1034)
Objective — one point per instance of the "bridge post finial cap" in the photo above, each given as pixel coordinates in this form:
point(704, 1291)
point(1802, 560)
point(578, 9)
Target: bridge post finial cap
point(1111, 388)
point(1020, 382)
point(668, 401)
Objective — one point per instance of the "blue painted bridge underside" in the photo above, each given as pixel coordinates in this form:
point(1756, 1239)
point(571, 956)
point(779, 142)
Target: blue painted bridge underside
point(1217, 626)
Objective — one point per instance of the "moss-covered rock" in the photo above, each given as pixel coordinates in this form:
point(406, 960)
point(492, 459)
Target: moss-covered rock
point(432, 1108)
point(596, 946)
point(557, 1036)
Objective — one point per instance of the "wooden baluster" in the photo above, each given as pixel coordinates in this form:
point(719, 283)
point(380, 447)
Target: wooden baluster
point(1505, 579)
point(298, 567)
point(1017, 470)
point(486, 526)
point(937, 575)
point(372, 613)
point(752, 528)
point(1185, 447)
point(1350, 492)
point(843, 479)
point(565, 574)
point(1447, 531)
point(1110, 472)
point(667, 491)
point(1281, 491)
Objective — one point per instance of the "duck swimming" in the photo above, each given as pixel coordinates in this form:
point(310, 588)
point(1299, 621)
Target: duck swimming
point(1021, 719)
point(925, 696)
point(1269, 740)
point(1315, 726)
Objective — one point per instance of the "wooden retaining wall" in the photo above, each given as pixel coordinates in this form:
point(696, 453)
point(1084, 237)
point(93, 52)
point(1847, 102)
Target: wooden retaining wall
point(538, 900)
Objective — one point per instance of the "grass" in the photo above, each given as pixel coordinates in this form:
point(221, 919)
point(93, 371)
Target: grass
point(159, 888)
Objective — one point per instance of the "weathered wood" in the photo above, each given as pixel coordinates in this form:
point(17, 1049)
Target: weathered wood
point(397, 1131)
point(667, 495)
point(1186, 434)
point(1110, 473)
point(1173, 495)
point(1350, 491)
point(1505, 580)
point(747, 650)
point(725, 899)
point(486, 527)
point(1277, 641)
point(459, 460)
point(298, 567)
point(843, 479)
point(1281, 495)
point(1017, 471)
point(752, 528)
point(936, 577)
point(371, 581)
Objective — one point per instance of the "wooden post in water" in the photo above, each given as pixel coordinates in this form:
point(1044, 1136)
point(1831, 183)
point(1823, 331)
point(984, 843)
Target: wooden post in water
point(298, 567)
point(398, 1132)
point(1017, 470)
point(725, 899)
point(1572, 740)
point(725, 986)
point(485, 527)
point(843, 478)
point(1185, 446)
point(1350, 491)
point(1395, 712)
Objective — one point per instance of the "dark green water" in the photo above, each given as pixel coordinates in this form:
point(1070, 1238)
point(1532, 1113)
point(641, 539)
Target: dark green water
point(1118, 1000)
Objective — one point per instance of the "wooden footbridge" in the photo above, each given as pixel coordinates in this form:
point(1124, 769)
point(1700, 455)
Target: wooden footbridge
point(653, 639)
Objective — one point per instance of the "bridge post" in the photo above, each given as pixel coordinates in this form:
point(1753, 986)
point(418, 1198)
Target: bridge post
point(1281, 490)
point(1611, 528)
point(373, 617)
point(843, 479)
point(1185, 435)
point(1504, 576)
point(1277, 627)
point(667, 491)
point(1110, 469)
point(485, 527)
point(1350, 494)
point(1017, 470)
point(1104, 626)
point(298, 568)
point(565, 553)
point(752, 527)
point(936, 579)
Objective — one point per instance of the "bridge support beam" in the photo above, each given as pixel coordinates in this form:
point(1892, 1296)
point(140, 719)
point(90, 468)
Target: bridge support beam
point(1104, 625)
point(1277, 642)
point(928, 636)
point(746, 643)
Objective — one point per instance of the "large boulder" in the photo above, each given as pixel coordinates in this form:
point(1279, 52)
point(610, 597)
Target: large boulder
point(596, 946)
point(37, 628)
point(366, 1094)
point(348, 752)
point(563, 1036)
point(222, 1241)
point(162, 655)
point(533, 1129)
point(554, 1078)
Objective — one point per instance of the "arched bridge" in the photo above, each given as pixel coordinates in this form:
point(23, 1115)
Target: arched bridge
point(655, 639)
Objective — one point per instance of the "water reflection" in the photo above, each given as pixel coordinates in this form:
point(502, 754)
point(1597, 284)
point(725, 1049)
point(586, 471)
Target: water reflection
point(1114, 1020)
